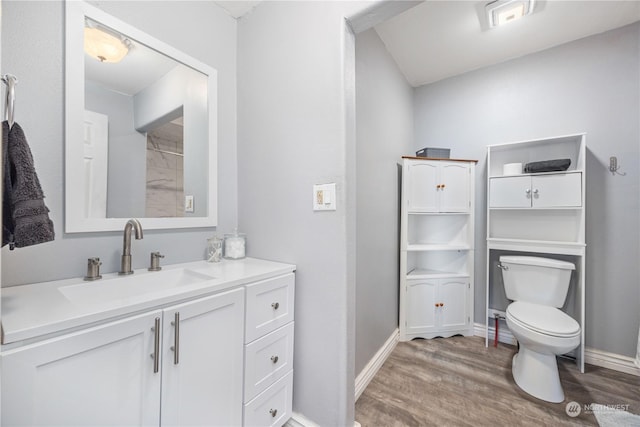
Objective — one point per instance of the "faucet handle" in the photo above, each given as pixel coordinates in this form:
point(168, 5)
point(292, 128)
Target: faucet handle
point(93, 269)
point(155, 261)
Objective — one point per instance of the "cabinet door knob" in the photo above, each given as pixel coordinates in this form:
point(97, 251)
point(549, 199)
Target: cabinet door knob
point(273, 412)
point(437, 305)
point(274, 359)
point(441, 185)
point(438, 186)
point(528, 191)
point(535, 191)
point(441, 304)
point(275, 305)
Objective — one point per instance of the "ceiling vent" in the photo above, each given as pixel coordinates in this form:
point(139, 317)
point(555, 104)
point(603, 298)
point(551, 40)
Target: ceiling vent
point(501, 12)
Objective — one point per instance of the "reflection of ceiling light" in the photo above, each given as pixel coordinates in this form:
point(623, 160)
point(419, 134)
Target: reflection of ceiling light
point(500, 12)
point(103, 46)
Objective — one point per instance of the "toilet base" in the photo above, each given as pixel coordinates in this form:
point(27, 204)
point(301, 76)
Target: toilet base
point(537, 374)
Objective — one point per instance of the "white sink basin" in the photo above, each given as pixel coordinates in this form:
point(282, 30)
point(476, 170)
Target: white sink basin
point(131, 286)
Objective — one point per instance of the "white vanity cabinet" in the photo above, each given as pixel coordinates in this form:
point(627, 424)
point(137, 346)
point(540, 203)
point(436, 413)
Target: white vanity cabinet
point(437, 186)
point(436, 248)
point(268, 381)
point(437, 305)
point(551, 190)
point(218, 353)
point(108, 375)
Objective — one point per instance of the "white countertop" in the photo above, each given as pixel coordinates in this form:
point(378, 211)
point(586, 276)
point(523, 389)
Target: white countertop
point(30, 311)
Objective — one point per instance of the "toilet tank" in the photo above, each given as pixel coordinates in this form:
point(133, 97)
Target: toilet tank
point(535, 279)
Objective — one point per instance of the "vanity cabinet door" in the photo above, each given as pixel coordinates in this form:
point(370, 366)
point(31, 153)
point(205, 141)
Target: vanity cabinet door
point(98, 376)
point(203, 361)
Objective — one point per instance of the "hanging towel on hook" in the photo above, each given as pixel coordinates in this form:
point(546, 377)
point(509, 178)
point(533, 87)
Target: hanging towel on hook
point(25, 218)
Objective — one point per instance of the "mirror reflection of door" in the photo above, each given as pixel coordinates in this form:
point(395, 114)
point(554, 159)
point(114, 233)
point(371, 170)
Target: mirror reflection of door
point(165, 170)
point(96, 154)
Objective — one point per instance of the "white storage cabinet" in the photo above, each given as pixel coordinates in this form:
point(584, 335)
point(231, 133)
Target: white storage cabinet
point(436, 248)
point(539, 214)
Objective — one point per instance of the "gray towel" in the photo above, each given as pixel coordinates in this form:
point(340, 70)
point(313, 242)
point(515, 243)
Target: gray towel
point(25, 219)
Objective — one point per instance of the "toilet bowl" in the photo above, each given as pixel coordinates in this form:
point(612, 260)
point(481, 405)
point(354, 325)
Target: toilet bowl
point(538, 288)
point(542, 332)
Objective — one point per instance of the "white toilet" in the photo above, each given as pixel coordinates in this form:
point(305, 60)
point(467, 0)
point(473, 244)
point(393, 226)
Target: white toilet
point(538, 288)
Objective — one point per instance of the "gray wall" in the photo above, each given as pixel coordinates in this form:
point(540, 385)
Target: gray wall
point(384, 121)
point(295, 128)
point(590, 85)
point(37, 59)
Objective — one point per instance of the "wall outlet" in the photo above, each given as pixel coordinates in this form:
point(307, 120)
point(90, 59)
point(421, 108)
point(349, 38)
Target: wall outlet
point(188, 203)
point(324, 197)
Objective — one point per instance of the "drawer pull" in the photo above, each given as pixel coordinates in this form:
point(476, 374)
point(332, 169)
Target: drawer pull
point(273, 412)
point(274, 359)
point(275, 305)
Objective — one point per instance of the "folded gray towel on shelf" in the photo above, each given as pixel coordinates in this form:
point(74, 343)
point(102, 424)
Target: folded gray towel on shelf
point(26, 219)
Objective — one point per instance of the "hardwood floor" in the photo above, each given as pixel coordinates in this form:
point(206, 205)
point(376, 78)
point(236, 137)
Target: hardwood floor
point(459, 382)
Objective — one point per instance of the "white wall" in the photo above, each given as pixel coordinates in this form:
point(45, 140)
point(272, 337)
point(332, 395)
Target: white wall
point(384, 121)
point(200, 29)
point(591, 85)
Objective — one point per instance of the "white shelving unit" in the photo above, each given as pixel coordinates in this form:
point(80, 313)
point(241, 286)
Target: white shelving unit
point(436, 248)
point(538, 214)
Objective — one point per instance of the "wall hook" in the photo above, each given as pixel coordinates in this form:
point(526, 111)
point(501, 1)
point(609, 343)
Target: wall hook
point(613, 166)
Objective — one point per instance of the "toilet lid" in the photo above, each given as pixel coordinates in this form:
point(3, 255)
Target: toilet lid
point(543, 319)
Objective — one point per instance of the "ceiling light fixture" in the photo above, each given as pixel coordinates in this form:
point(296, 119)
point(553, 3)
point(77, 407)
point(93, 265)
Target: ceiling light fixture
point(501, 12)
point(105, 46)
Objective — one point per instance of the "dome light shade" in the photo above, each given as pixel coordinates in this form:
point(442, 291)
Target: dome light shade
point(103, 46)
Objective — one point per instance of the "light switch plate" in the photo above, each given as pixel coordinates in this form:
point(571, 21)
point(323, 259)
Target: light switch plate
point(324, 197)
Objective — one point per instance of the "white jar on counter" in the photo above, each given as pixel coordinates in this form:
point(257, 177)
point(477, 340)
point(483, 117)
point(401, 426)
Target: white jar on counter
point(235, 245)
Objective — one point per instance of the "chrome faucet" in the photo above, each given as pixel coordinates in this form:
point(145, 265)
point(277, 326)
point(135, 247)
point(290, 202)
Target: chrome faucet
point(125, 263)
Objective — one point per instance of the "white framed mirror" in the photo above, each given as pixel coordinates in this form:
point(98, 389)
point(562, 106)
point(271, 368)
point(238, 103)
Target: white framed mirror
point(141, 131)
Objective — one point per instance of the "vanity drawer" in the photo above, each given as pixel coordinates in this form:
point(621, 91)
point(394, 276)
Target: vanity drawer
point(273, 406)
point(267, 359)
point(269, 306)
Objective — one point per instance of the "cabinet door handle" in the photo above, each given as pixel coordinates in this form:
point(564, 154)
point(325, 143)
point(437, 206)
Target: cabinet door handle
point(442, 186)
point(273, 412)
point(274, 359)
point(535, 191)
point(437, 305)
point(528, 191)
point(275, 305)
point(156, 346)
point(438, 186)
point(176, 338)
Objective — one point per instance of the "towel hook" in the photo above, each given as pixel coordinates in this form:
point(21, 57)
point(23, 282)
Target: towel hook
point(11, 81)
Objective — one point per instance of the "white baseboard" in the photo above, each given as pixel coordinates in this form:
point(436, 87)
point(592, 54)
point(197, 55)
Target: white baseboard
point(504, 334)
point(616, 362)
point(299, 420)
point(369, 371)
point(592, 356)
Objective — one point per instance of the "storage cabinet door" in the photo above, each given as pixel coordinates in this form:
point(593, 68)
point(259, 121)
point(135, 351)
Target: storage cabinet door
point(421, 305)
point(558, 190)
point(422, 182)
point(203, 361)
point(510, 192)
point(97, 376)
point(454, 187)
point(453, 294)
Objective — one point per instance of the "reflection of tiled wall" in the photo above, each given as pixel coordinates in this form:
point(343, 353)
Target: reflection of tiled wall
point(165, 172)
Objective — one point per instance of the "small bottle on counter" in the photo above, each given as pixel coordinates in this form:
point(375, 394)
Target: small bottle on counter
point(234, 245)
point(214, 249)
